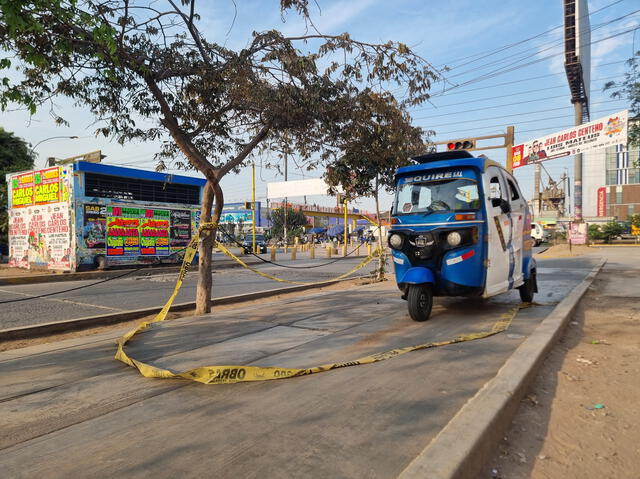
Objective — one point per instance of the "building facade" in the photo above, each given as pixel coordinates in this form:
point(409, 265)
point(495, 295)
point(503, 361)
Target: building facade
point(611, 182)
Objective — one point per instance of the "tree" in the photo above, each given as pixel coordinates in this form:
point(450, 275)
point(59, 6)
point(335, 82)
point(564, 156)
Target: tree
point(605, 232)
point(296, 221)
point(630, 89)
point(15, 155)
point(147, 72)
point(374, 149)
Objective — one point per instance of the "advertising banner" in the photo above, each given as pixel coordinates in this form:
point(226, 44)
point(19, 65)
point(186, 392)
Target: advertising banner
point(297, 188)
point(602, 202)
point(137, 231)
point(578, 233)
point(606, 131)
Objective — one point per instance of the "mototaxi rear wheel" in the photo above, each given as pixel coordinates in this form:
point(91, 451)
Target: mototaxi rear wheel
point(420, 301)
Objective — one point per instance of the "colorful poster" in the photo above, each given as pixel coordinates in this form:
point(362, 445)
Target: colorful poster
point(94, 228)
point(46, 186)
point(180, 231)
point(154, 233)
point(58, 236)
point(40, 187)
point(137, 231)
point(123, 231)
point(22, 190)
point(601, 133)
point(18, 238)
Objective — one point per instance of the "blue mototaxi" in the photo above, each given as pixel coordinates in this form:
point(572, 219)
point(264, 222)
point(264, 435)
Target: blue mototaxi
point(460, 227)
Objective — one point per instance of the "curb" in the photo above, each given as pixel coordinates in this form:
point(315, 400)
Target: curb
point(44, 329)
point(462, 447)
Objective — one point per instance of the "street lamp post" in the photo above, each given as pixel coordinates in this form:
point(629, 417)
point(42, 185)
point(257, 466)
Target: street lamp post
point(33, 149)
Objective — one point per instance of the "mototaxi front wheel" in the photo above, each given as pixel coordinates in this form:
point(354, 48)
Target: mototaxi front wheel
point(420, 301)
point(528, 288)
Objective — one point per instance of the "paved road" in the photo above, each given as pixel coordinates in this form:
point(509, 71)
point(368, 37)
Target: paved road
point(67, 409)
point(141, 291)
point(147, 290)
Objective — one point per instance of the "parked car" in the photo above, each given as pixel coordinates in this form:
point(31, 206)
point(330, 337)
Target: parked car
point(539, 234)
point(247, 244)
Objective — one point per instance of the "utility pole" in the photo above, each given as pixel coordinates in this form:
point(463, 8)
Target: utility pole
point(253, 207)
point(577, 176)
point(508, 144)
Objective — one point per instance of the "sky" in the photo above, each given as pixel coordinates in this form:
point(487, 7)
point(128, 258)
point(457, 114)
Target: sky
point(503, 59)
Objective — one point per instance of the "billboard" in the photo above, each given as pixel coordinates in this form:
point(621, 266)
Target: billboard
point(601, 133)
point(292, 189)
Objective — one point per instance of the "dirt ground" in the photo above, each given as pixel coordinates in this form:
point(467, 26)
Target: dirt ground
point(581, 416)
point(563, 251)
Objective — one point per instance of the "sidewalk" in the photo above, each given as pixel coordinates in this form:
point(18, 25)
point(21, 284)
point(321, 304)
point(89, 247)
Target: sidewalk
point(580, 417)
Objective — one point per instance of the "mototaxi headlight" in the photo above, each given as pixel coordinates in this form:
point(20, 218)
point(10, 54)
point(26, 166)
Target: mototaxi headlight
point(395, 241)
point(454, 238)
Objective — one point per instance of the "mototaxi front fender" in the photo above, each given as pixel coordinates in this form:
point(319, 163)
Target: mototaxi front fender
point(417, 275)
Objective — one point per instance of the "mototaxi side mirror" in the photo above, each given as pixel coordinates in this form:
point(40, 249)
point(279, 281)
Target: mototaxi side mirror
point(505, 207)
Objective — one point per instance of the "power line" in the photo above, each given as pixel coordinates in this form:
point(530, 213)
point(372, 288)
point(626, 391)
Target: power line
point(523, 55)
point(513, 66)
point(518, 114)
point(517, 123)
point(511, 45)
point(525, 92)
point(461, 92)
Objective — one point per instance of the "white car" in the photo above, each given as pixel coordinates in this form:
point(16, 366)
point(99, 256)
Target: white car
point(538, 234)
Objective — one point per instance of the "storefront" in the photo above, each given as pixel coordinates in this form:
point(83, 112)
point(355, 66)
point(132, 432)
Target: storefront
point(83, 215)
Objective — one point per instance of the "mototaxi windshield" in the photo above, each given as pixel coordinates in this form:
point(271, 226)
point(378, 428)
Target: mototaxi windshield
point(426, 197)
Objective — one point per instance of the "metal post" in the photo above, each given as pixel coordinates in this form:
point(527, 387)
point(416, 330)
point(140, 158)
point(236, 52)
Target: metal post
point(286, 166)
point(346, 229)
point(577, 176)
point(536, 187)
point(253, 207)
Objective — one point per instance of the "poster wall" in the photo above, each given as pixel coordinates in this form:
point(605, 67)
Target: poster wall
point(601, 133)
point(40, 236)
point(39, 219)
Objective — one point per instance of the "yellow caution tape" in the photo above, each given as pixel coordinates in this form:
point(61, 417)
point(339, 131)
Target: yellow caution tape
point(362, 264)
point(236, 373)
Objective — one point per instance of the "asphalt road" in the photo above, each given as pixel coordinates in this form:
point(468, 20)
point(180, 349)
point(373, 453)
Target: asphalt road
point(67, 409)
point(148, 290)
point(145, 290)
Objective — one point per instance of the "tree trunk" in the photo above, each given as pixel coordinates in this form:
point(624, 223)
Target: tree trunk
point(381, 258)
point(205, 249)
